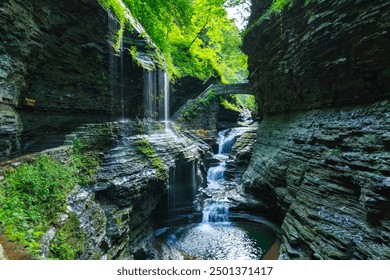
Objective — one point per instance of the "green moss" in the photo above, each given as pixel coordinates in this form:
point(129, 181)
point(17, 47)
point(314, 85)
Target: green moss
point(143, 146)
point(68, 241)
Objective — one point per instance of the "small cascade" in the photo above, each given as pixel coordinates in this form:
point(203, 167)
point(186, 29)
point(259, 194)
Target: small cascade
point(216, 208)
point(216, 173)
point(113, 63)
point(166, 101)
point(122, 81)
point(150, 93)
point(227, 140)
point(217, 212)
point(116, 69)
point(182, 191)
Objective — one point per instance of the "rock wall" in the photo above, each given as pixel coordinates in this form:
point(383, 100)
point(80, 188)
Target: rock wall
point(321, 157)
point(324, 54)
point(114, 213)
point(58, 69)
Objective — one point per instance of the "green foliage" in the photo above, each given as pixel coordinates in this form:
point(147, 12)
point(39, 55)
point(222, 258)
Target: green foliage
point(240, 102)
point(116, 8)
point(199, 106)
point(251, 103)
point(68, 241)
point(279, 5)
point(276, 7)
point(33, 195)
point(195, 36)
point(228, 105)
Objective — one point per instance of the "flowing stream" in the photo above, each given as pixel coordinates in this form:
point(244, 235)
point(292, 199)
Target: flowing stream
point(215, 236)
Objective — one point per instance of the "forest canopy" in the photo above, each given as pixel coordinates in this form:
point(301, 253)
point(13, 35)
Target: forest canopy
point(196, 36)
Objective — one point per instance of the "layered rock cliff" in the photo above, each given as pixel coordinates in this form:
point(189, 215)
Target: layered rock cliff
point(59, 68)
point(321, 159)
point(113, 216)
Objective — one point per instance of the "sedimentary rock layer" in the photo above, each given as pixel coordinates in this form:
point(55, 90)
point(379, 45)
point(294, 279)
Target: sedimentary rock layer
point(320, 72)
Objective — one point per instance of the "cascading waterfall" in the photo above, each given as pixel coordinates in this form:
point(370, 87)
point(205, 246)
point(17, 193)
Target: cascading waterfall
point(122, 86)
point(166, 101)
point(115, 60)
point(112, 59)
point(150, 93)
point(163, 97)
point(215, 237)
point(216, 208)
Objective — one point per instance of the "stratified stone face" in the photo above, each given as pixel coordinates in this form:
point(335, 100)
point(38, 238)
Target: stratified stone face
point(328, 173)
point(10, 130)
point(54, 53)
point(326, 53)
point(58, 69)
point(320, 72)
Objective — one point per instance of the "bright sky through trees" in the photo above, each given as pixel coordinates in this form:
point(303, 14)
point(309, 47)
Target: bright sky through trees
point(240, 14)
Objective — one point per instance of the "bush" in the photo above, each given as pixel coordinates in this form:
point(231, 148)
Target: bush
point(33, 196)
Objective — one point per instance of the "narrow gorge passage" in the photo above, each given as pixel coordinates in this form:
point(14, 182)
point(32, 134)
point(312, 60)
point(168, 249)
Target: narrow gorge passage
point(217, 236)
point(176, 129)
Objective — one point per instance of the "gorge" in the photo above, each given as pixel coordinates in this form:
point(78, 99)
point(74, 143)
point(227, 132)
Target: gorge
point(151, 163)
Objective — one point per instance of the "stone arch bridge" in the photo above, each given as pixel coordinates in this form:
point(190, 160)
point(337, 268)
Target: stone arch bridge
point(219, 90)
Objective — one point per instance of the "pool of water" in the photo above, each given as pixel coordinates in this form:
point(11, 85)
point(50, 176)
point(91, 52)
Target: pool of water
point(219, 241)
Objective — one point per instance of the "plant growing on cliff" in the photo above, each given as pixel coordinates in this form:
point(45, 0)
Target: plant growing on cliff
point(144, 147)
point(199, 106)
point(276, 7)
point(33, 196)
point(195, 36)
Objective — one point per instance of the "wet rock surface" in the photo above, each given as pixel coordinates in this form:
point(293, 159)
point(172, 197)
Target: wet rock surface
point(116, 212)
point(320, 163)
point(58, 69)
point(326, 172)
point(322, 54)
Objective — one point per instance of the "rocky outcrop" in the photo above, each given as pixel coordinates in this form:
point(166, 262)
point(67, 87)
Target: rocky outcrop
point(320, 162)
point(328, 172)
point(58, 69)
point(323, 54)
point(10, 131)
point(186, 88)
point(114, 213)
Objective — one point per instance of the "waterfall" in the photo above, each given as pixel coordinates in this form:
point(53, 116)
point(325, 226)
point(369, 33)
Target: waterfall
point(115, 64)
point(166, 101)
point(122, 86)
point(172, 197)
point(227, 140)
point(182, 191)
point(216, 213)
point(163, 97)
point(216, 208)
point(150, 93)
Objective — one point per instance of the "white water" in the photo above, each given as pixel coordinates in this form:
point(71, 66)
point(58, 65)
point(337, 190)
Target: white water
point(150, 93)
point(216, 208)
point(166, 101)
